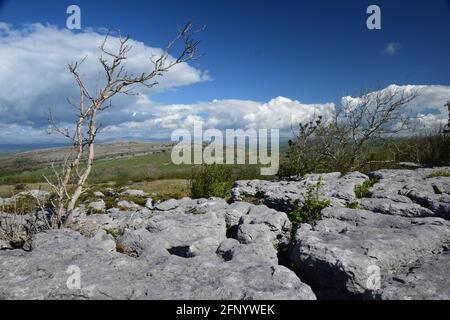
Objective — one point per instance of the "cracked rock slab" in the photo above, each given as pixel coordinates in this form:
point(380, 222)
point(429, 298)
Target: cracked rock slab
point(339, 255)
point(415, 186)
point(281, 195)
point(425, 279)
point(44, 273)
point(179, 253)
point(395, 208)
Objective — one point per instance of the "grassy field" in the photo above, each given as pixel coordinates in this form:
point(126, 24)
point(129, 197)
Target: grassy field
point(157, 189)
point(154, 173)
point(135, 168)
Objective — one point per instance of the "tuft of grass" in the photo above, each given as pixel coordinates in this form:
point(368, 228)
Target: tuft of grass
point(114, 232)
point(121, 249)
point(91, 211)
point(353, 205)
point(195, 211)
point(439, 173)
point(162, 190)
point(362, 190)
point(252, 199)
point(21, 206)
point(140, 201)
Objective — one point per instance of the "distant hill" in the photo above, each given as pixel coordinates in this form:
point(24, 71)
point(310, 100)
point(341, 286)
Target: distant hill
point(45, 154)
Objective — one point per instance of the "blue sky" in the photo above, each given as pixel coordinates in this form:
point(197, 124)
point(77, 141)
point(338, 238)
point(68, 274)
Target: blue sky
point(313, 52)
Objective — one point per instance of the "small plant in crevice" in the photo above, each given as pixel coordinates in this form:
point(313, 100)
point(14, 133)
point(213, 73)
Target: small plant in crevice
point(309, 209)
point(195, 211)
point(439, 173)
point(362, 190)
point(21, 206)
point(352, 205)
point(114, 232)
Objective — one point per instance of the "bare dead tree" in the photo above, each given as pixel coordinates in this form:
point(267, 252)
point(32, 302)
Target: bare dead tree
point(69, 182)
point(447, 127)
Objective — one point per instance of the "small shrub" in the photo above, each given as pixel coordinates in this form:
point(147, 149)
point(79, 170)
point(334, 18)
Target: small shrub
point(309, 210)
point(211, 181)
point(362, 190)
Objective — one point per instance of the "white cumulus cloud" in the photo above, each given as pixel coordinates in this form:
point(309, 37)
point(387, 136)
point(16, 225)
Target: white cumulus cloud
point(34, 75)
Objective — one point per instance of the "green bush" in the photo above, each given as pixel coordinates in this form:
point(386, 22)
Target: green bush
point(309, 209)
point(362, 190)
point(211, 181)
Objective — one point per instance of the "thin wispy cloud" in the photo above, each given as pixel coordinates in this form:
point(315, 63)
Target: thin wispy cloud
point(392, 48)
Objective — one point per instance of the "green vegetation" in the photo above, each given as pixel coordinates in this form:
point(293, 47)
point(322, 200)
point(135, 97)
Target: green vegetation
point(309, 209)
point(353, 205)
point(360, 138)
point(195, 211)
point(154, 174)
point(439, 173)
point(428, 150)
point(211, 181)
point(123, 171)
point(303, 156)
point(21, 206)
point(252, 200)
point(114, 232)
point(362, 190)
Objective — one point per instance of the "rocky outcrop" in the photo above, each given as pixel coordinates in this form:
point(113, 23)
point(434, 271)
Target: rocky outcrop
point(35, 194)
point(281, 195)
point(419, 186)
point(425, 279)
point(179, 253)
point(395, 208)
point(395, 245)
point(342, 254)
point(134, 193)
point(97, 206)
point(128, 205)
